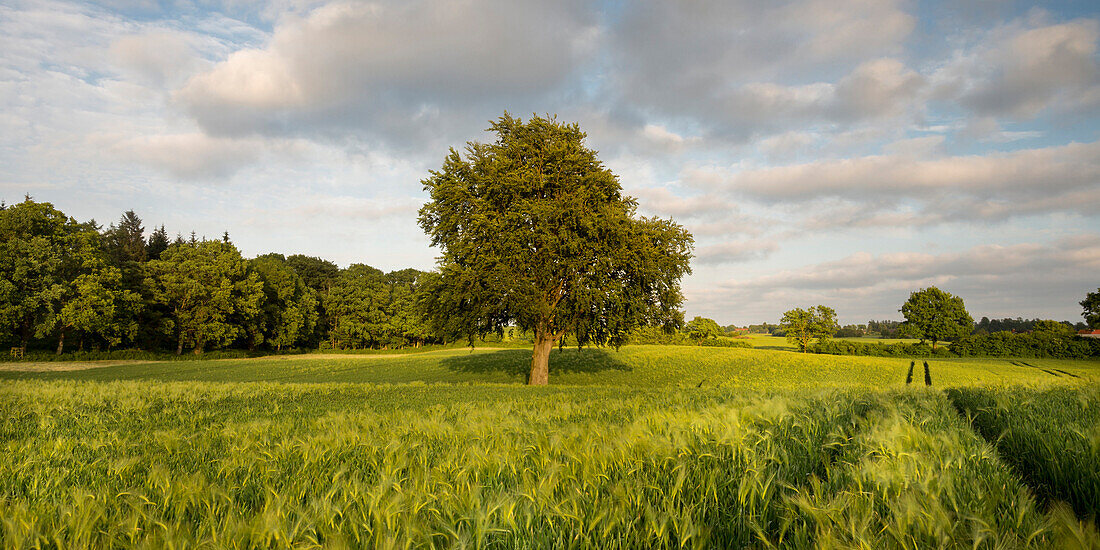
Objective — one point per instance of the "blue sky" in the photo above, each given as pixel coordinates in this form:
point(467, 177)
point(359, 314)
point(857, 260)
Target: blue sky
point(841, 152)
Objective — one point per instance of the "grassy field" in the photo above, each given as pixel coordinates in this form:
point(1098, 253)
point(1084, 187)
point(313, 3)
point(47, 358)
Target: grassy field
point(651, 446)
point(632, 366)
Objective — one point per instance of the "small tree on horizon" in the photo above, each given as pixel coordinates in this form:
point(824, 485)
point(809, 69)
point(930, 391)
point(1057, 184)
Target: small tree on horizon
point(803, 325)
point(702, 328)
point(932, 314)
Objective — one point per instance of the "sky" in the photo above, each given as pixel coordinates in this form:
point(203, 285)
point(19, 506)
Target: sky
point(841, 152)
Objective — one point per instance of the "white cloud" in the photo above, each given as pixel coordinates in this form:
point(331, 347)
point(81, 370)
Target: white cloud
point(392, 70)
point(1021, 69)
point(1025, 279)
point(994, 186)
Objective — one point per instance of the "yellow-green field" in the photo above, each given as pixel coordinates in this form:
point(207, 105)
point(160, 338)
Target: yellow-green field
point(647, 447)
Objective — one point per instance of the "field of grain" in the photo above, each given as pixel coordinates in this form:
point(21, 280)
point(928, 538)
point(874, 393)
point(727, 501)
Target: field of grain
point(648, 447)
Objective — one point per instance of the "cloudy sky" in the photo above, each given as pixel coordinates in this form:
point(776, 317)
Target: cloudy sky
point(844, 152)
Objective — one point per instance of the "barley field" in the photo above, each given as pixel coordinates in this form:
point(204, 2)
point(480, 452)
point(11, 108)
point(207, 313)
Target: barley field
point(649, 447)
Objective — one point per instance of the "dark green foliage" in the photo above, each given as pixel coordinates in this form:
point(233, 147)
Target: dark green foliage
point(1091, 307)
point(909, 377)
point(932, 314)
point(1050, 437)
point(33, 256)
point(157, 244)
point(125, 242)
point(1053, 344)
point(209, 293)
point(534, 231)
point(845, 347)
point(927, 375)
point(289, 312)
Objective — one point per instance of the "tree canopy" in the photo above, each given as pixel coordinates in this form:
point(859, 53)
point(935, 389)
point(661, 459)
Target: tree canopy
point(932, 314)
point(803, 325)
point(535, 230)
point(702, 328)
point(1091, 307)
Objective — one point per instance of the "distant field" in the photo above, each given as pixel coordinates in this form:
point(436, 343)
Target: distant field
point(779, 342)
point(632, 366)
point(647, 447)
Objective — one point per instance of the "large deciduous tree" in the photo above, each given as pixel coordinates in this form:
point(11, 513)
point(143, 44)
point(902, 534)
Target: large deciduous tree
point(208, 291)
point(702, 328)
point(92, 298)
point(355, 307)
point(932, 314)
point(33, 242)
point(289, 311)
point(1091, 309)
point(803, 325)
point(535, 231)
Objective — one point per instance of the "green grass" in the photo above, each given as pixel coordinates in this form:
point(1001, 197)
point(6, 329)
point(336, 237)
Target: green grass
point(1050, 437)
point(634, 366)
point(647, 447)
point(262, 465)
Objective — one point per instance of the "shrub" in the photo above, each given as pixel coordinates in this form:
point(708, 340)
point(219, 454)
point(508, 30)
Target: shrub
point(1039, 344)
point(844, 347)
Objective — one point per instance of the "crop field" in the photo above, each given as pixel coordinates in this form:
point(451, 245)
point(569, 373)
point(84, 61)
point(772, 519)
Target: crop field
point(632, 366)
point(648, 447)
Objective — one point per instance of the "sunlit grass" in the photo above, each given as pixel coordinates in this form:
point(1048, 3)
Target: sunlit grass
point(634, 366)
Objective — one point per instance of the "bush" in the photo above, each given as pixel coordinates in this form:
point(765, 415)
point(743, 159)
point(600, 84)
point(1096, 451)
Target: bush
point(654, 335)
point(723, 343)
point(1037, 345)
point(140, 355)
point(998, 344)
point(844, 347)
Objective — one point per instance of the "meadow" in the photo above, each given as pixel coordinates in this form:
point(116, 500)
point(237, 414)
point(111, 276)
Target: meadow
point(647, 447)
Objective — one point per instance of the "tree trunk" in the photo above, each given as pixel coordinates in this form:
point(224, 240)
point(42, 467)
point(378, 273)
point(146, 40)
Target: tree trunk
point(179, 346)
point(61, 342)
point(540, 360)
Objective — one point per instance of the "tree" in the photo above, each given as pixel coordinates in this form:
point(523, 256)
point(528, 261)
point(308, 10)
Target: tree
point(701, 328)
point(207, 288)
point(91, 298)
point(289, 311)
point(157, 244)
point(126, 241)
point(1091, 306)
point(803, 325)
point(932, 314)
point(33, 240)
point(536, 232)
point(354, 305)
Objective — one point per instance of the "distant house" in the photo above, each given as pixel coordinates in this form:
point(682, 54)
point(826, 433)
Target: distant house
point(1089, 334)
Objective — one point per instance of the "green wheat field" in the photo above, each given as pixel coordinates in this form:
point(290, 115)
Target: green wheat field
point(645, 447)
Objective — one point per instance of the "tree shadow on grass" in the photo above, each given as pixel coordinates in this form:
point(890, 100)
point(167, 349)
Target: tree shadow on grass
point(517, 362)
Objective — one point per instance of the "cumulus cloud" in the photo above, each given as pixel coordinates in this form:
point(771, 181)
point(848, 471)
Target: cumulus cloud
point(989, 187)
point(384, 67)
point(1022, 69)
point(719, 63)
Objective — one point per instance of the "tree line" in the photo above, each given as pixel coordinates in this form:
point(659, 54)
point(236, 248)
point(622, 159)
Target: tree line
point(936, 316)
point(66, 284)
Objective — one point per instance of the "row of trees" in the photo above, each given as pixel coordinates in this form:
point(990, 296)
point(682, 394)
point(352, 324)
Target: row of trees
point(931, 315)
point(63, 281)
